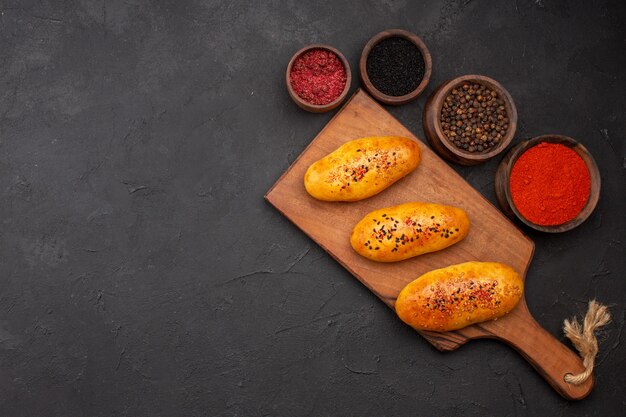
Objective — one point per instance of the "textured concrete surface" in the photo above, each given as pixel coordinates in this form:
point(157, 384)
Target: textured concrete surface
point(143, 274)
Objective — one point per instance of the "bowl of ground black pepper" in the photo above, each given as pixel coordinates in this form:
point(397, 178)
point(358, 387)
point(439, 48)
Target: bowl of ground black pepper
point(470, 119)
point(318, 78)
point(551, 183)
point(395, 66)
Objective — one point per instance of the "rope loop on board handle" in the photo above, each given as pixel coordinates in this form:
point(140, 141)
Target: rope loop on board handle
point(583, 337)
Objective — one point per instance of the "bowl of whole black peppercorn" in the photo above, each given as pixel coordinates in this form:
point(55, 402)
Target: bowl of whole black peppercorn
point(395, 66)
point(470, 119)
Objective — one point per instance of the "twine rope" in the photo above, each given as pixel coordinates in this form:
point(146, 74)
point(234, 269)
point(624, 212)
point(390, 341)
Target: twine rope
point(584, 338)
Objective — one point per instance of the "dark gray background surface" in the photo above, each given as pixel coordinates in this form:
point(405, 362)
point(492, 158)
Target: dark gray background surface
point(143, 274)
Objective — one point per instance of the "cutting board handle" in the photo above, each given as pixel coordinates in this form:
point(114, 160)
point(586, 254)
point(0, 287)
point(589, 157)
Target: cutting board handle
point(546, 354)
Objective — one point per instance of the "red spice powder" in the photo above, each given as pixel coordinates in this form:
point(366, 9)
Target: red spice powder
point(550, 184)
point(318, 76)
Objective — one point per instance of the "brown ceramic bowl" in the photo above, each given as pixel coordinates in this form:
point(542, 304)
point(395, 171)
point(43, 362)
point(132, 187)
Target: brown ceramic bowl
point(503, 189)
point(435, 135)
point(315, 108)
point(428, 67)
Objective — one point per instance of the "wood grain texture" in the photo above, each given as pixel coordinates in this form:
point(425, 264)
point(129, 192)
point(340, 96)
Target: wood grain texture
point(492, 237)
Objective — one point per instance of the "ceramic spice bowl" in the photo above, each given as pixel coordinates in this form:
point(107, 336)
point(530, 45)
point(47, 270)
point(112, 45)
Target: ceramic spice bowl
point(467, 88)
point(318, 78)
point(403, 51)
point(503, 182)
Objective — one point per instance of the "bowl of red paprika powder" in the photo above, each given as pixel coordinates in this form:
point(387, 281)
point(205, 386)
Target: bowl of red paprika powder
point(550, 183)
point(318, 78)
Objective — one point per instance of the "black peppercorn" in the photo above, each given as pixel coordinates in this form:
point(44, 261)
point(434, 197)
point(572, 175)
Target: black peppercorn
point(474, 118)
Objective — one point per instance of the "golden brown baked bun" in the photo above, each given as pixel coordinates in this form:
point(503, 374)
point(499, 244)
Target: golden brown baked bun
point(400, 232)
point(455, 297)
point(361, 168)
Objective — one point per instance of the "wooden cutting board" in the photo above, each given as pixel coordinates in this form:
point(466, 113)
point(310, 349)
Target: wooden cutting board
point(492, 237)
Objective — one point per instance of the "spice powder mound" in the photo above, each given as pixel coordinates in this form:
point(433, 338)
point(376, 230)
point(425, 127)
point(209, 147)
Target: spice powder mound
point(318, 76)
point(550, 184)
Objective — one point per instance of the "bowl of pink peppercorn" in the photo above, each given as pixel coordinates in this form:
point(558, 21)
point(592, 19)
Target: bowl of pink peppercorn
point(318, 78)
